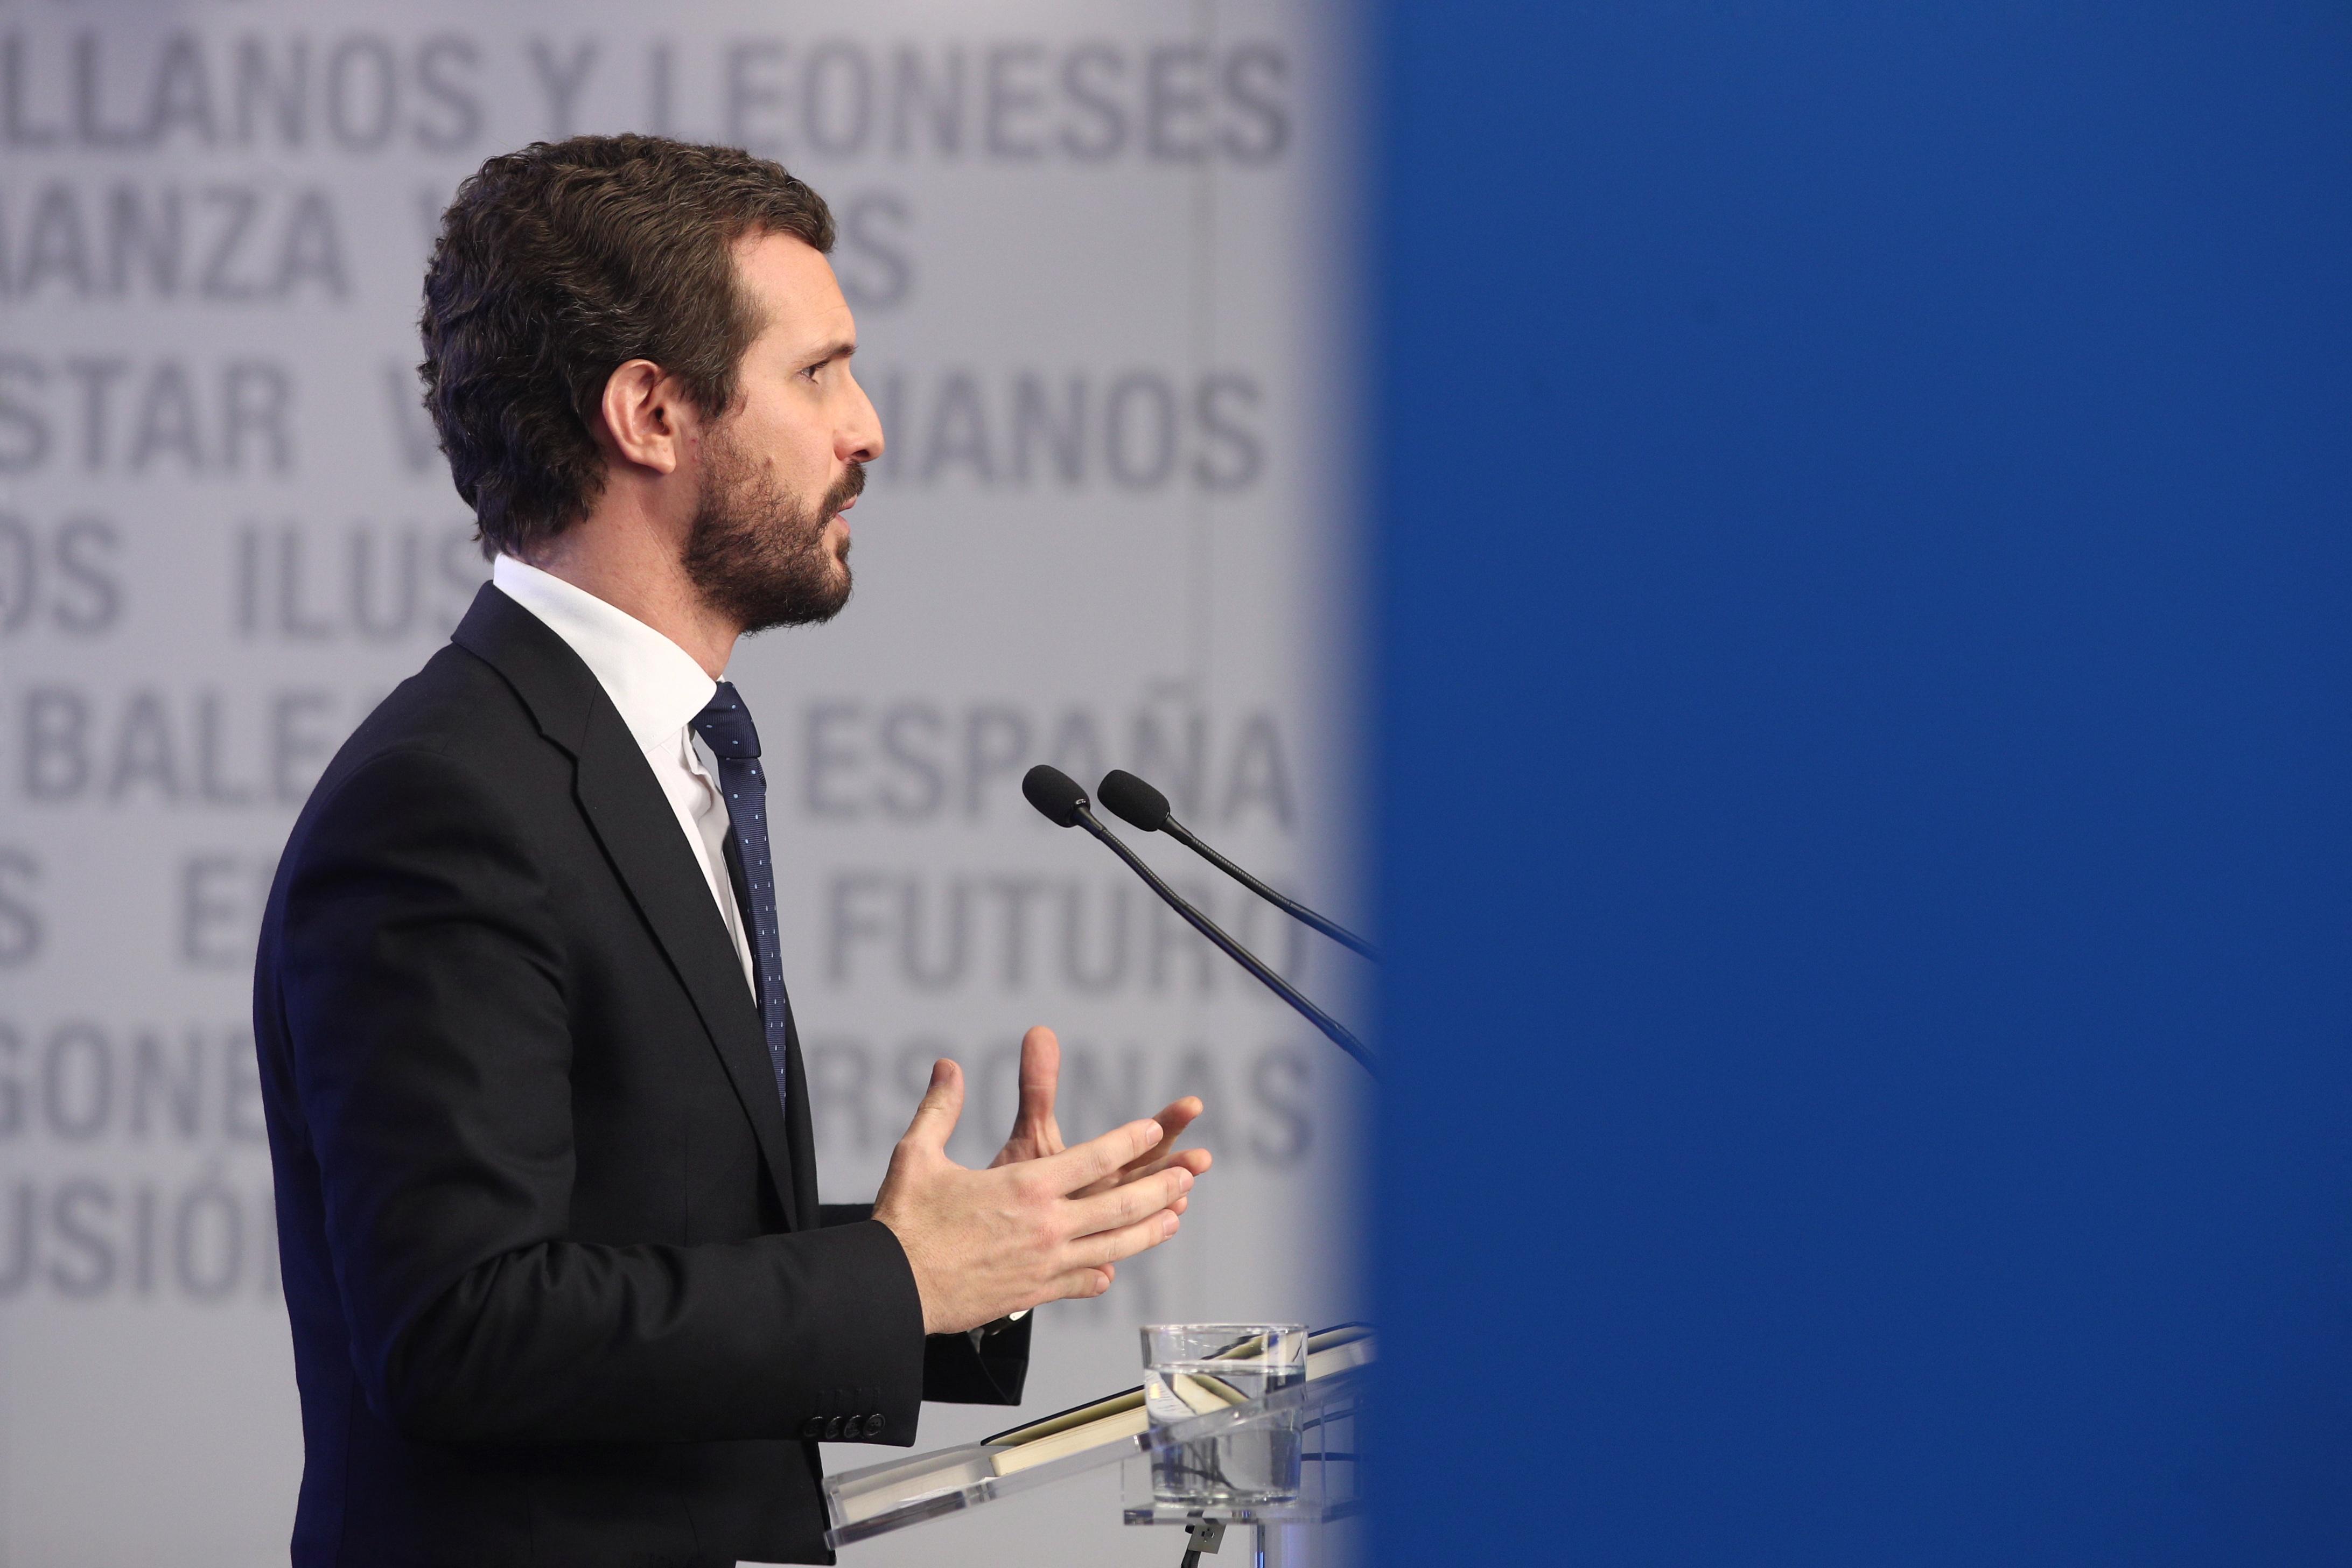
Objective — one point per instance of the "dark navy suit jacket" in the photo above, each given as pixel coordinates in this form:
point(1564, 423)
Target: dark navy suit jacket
point(561, 1290)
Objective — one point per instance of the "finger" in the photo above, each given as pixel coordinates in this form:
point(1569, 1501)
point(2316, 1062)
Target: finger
point(1110, 1245)
point(935, 1118)
point(1079, 1284)
point(1174, 1119)
point(1179, 1115)
point(1041, 1073)
point(1196, 1160)
point(1098, 1157)
point(1193, 1159)
point(1124, 1205)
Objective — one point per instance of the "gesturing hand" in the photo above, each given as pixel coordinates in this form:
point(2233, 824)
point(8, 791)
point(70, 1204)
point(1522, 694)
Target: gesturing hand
point(1036, 1133)
point(985, 1243)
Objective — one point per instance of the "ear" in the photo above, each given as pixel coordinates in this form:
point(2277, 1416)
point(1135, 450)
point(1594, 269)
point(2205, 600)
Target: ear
point(644, 414)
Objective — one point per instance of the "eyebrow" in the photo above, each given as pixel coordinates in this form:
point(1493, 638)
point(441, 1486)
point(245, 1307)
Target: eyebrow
point(840, 348)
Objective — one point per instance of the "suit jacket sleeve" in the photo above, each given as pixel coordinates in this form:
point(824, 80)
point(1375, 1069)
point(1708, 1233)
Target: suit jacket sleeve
point(423, 981)
point(986, 1366)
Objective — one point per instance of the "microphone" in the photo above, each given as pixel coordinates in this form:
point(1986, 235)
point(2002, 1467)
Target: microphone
point(1139, 805)
point(1060, 801)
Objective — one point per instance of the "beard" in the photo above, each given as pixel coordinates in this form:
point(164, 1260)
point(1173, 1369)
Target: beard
point(757, 556)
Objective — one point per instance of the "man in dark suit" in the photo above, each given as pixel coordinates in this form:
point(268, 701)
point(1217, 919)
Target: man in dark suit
point(561, 1288)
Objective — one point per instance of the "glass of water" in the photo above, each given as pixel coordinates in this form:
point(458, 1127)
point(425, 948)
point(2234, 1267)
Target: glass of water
point(1198, 1369)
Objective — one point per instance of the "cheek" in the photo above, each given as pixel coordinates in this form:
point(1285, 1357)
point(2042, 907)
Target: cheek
point(804, 461)
point(793, 445)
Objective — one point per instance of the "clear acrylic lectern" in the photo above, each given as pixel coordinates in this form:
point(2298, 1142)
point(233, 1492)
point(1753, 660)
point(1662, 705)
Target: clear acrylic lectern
point(1307, 1532)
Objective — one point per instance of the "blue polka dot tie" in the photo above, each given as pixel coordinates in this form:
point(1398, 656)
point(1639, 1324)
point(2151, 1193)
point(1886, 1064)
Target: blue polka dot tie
point(726, 728)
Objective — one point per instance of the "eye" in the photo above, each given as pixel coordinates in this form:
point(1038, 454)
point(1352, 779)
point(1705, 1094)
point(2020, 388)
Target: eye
point(809, 370)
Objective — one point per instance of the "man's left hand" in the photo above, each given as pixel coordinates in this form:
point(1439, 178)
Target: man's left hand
point(1036, 1133)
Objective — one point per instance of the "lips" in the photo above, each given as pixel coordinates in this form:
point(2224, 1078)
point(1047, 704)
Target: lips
point(845, 491)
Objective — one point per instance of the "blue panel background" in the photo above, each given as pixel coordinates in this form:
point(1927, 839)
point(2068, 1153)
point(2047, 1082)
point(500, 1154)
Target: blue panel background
point(1866, 668)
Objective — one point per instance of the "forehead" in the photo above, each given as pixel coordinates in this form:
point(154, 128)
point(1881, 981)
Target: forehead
point(794, 289)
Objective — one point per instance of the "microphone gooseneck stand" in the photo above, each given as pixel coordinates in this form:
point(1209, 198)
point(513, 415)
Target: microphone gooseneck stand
point(1282, 901)
point(1332, 1028)
point(1145, 809)
point(1061, 802)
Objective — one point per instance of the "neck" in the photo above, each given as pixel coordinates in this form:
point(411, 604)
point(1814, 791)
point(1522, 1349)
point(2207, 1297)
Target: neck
point(635, 564)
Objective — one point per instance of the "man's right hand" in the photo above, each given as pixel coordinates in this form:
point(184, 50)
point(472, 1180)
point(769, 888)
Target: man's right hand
point(986, 1243)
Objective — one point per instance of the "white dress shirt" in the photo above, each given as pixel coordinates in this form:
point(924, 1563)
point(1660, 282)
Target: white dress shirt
point(658, 688)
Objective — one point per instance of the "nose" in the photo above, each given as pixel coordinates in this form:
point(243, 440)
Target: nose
point(859, 438)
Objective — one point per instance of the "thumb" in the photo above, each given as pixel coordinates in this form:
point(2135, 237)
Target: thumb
point(935, 1118)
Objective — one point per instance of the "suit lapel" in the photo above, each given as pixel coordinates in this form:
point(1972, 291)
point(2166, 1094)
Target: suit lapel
point(632, 821)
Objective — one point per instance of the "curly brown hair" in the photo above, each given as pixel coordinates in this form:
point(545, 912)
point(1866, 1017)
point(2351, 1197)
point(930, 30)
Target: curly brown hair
point(558, 264)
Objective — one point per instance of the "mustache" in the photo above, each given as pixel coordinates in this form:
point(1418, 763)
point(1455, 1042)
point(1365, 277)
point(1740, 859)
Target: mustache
point(846, 489)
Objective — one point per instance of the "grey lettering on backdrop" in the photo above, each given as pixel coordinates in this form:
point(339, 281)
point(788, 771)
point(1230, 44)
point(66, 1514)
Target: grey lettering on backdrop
point(1016, 931)
point(909, 759)
point(125, 415)
point(355, 92)
point(1135, 429)
point(20, 917)
point(65, 577)
point(560, 71)
point(220, 899)
point(1131, 429)
point(1100, 322)
point(368, 583)
point(238, 242)
point(158, 746)
point(79, 1079)
point(873, 260)
point(91, 1238)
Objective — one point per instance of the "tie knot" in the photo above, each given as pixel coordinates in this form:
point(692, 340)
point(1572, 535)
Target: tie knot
point(725, 725)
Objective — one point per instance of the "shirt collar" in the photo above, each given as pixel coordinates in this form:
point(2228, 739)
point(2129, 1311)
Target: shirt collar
point(655, 684)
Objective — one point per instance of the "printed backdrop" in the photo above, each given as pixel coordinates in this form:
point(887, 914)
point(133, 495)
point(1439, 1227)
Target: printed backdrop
point(1094, 252)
